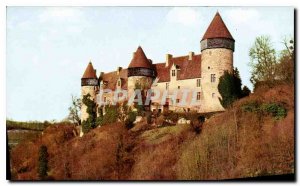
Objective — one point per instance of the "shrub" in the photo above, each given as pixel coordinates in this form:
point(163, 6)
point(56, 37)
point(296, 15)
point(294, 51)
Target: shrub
point(129, 122)
point(277, 111)
point(197, 124)
point(252, 106)
point(43, 162)
point(148, 117)
point(110, 116)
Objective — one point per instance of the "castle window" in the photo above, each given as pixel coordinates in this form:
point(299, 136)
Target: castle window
point(177, 100)
point(198, 95)
point(213, 95)
point(178, 87)
point(173, 72)
point(167, 86)
point(208, 67)
point(213, 78)
point(198, 82)
point(119, 83)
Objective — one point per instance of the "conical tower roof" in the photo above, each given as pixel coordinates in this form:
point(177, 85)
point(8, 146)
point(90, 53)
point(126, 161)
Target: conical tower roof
point(139, 59)
point(217, 29)
point(89, 72)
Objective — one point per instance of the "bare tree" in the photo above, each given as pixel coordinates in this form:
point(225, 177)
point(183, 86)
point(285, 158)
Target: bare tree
point(286, 63)
point(74, 111)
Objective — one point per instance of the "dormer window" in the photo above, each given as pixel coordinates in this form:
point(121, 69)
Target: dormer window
point(173, 73)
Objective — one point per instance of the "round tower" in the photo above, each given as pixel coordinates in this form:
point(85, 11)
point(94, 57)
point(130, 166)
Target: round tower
point(89, 85)
point(140, 72)
point(217, 47)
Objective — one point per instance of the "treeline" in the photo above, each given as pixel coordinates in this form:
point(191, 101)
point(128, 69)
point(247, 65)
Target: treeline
point(30, 125)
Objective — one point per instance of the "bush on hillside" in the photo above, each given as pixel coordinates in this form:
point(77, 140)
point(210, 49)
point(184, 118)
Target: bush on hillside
point(43, 162)
point(129, 122)
point(276, 110)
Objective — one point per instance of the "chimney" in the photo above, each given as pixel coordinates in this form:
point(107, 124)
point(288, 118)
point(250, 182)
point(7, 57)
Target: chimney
point(191, 54)
point(168, 59)
point(118, 70)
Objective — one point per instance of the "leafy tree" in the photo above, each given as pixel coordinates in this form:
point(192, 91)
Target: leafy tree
point(43, 162)
point(110, 116)
point(263, 60)
point(245, 91)
point(74, 111)
point(90, 123)
point(230, 87)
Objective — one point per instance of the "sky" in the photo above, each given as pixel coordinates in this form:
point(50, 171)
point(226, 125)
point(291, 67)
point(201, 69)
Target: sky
point(48, 48)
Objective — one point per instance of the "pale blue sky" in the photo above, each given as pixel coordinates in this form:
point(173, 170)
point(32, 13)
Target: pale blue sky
point(48, 48)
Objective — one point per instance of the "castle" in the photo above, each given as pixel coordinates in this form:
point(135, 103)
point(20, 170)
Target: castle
point(199, 73)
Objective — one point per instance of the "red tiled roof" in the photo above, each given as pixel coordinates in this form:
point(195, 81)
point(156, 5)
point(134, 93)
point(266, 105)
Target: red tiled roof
point(217, 29)
point(89, 72)
point(189, 69)
point(139, 59)
point(111, 79)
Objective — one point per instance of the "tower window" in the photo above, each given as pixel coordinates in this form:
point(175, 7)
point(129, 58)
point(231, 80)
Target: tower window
point(198, 95)
point(177, 100)
point(119, 83)
point(213, 78)
point(208, 67)
point(167, 86)
point(104, 99)
point(173, 73)
point(178, 87)
point(213, 95)
point(198, 82)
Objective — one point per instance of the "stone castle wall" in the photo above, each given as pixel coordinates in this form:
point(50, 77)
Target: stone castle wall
point(214, 61)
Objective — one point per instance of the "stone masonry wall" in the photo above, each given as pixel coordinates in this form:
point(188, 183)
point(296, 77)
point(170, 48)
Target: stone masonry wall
point(214, 61)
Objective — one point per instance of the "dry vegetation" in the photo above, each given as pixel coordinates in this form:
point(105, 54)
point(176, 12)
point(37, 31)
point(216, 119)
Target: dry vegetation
point(233, 144)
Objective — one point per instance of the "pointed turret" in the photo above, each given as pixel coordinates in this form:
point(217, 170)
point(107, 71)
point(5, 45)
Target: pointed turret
point(139, 60)
point(140, 65)
point(217, 29)
point(89, 77)
point(217, 35)
point(89, 72)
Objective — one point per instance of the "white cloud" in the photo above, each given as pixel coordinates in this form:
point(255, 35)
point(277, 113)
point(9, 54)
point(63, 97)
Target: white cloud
point(243, 15)
point(61, 14)
point(183, 15)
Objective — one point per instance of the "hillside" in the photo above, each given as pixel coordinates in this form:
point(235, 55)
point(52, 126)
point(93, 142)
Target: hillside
point(253, 138)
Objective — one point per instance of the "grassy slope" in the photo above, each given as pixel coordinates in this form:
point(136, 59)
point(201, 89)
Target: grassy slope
point(232, 144)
